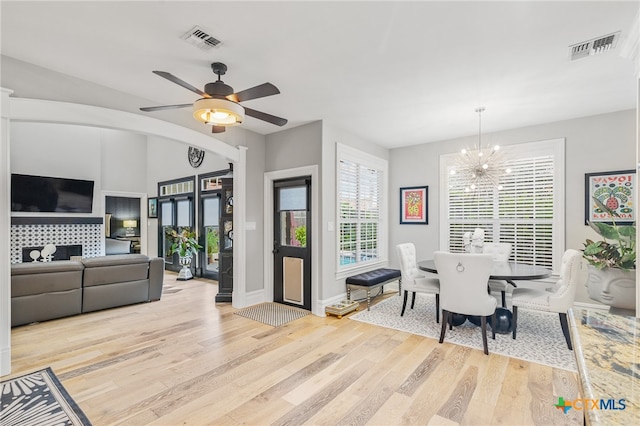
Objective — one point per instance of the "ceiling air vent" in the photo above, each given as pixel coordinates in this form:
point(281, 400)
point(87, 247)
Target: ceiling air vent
point(594, 46)
point(200, 38)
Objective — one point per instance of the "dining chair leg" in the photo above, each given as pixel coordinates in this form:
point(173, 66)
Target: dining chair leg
point(565, 329)
point(445, 320)
point(437, 308)
point(493, 325)
point(404, 302)
point(515, 320)
point(483, 323)
point(413, 299)
point(504, 299)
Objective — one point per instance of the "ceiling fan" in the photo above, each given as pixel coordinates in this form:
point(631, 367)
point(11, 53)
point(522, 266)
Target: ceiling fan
point(220, 105)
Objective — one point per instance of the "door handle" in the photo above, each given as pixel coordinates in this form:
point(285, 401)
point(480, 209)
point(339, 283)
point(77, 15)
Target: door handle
point(276, 247)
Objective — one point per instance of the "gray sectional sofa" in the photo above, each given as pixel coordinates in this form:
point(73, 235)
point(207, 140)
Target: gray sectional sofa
point(43, 291)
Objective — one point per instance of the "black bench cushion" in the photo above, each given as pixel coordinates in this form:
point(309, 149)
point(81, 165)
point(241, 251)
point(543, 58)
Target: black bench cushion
point(374, 277)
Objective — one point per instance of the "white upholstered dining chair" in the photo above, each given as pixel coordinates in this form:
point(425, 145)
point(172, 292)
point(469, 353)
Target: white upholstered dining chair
point(573, 273)
point(413, 280)
point(499, 252)
point(463, 289)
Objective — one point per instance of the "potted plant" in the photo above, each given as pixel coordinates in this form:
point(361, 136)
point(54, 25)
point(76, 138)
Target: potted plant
point(186, 245)
point(612, 260)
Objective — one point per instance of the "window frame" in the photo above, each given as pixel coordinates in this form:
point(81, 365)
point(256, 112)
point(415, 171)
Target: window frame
point(348, 153)
point(555, 147)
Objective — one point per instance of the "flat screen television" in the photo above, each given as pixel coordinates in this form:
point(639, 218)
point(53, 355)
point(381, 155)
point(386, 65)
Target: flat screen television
point(50, 194)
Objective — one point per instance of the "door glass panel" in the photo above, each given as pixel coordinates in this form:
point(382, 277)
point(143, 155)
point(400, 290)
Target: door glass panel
point(210, 217)
point(211, 212)
point(293, 228)
point(167, 213)
point(294, 198)
point(184, 213)
point(166, 244)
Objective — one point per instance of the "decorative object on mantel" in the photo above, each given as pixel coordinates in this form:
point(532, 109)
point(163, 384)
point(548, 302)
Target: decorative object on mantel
point(612, 274)
point(480, 169)
point(185, 244)
point(46, 253)
point(474, 243)
point(195, 156)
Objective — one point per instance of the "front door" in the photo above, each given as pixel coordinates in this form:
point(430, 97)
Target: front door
point(292, 242)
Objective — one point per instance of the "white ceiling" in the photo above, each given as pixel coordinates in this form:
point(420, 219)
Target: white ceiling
point(393, 73)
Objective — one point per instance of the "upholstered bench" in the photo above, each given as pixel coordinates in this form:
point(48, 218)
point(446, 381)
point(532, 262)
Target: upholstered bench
point(371, 280)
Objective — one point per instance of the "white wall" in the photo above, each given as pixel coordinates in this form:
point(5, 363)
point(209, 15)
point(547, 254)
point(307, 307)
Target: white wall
point(334, 288)
point(123, 161)
point(59, 151)
point(600, 143)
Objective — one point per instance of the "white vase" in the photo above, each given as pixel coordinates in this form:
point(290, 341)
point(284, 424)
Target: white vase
point(185, 272)
point(612, 286)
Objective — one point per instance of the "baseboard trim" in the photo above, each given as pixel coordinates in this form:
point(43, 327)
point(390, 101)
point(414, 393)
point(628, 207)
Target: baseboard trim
point(248, 299)
point(5, 361)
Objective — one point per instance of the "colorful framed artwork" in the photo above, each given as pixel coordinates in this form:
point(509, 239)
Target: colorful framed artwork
point(414, 208)
point(153, 208)
point(616, 190)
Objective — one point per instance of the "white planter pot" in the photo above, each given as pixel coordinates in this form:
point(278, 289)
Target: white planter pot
point(613, 287)
point(185, 272)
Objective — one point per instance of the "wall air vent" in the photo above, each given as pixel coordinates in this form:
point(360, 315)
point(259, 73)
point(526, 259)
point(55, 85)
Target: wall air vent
point(200, 37)
point(594, 46)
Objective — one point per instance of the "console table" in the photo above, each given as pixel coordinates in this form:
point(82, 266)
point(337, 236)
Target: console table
point(607, 351)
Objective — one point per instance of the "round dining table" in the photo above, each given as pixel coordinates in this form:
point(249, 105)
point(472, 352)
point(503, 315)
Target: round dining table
point(508, 271)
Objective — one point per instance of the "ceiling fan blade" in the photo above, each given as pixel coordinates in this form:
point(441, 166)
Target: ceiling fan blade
point(163, 107)
point(217, 129)
point(260, 91)
point(180, 82)
point(278, 121)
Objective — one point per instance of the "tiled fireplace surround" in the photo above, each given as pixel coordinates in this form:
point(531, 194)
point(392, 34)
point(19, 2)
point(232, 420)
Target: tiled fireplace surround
point(89, 235)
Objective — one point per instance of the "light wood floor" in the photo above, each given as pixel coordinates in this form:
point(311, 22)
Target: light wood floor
point(186, 361)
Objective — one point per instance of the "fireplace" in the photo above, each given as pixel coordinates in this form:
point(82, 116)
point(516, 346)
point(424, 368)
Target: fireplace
point(62, 252)
point(32, 233)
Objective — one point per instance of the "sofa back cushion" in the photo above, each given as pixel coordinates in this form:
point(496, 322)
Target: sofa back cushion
point(115, 269)
point(45, 277)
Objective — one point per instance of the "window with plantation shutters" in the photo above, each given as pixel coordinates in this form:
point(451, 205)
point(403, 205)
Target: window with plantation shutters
point(527, 212)
point(361, 189)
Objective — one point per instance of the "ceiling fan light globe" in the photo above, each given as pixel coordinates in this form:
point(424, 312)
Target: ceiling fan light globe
point(218, 112)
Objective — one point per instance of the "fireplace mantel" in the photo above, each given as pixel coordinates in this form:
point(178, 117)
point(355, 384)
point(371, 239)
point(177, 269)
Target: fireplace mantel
point(55, 220)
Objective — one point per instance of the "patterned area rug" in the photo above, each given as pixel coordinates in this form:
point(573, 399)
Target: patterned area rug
point(38, 399)
point(539, 336)
point(273, 314)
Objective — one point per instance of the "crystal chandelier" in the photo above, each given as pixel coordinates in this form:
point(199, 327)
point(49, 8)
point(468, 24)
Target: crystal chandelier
point(480, 170)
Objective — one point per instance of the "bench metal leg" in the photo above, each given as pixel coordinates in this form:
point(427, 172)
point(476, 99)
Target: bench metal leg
point(348, 293)
point(368, 300)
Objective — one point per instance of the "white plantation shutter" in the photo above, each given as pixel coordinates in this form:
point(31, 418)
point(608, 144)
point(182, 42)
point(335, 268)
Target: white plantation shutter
point(528, 212)
point(360, 194)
